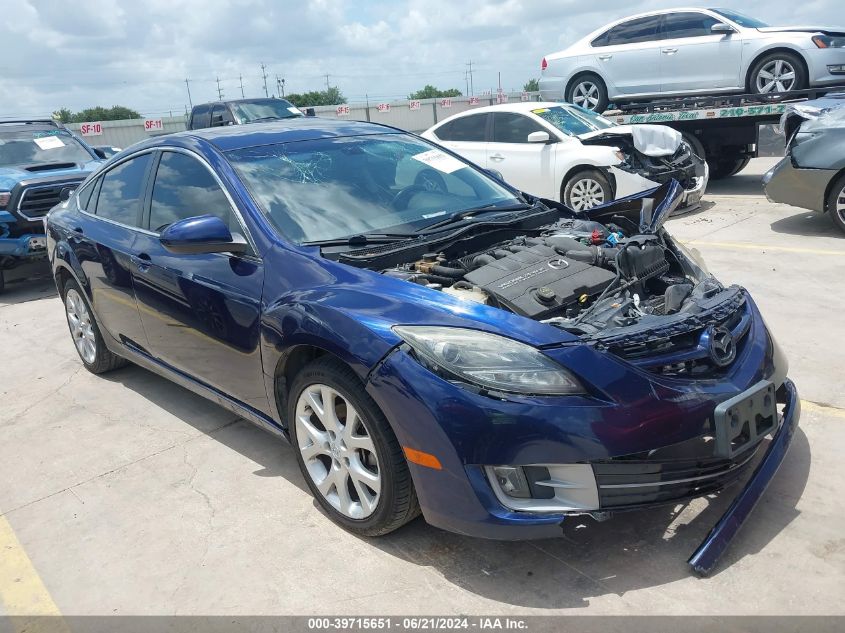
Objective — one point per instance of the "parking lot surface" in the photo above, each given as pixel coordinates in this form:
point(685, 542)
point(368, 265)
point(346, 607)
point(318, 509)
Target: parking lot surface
point(126, 494)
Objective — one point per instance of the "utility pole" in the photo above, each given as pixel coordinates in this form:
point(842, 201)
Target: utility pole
point(282, 84)
point(241, 78)
point(471, 87)
point(466, 80)
point(280, 87)
point(219, 91)
point(327, 83)
point(500, 81)
point(187, 85)
point(264, 75)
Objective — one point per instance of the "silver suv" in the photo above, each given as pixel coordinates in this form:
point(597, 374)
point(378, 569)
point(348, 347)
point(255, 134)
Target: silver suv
point(691, 51)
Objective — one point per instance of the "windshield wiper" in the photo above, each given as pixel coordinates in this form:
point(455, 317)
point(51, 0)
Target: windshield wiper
point(361, 239)
point(466, 214)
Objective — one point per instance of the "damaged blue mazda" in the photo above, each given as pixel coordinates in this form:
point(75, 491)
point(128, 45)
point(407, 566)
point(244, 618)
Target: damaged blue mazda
point(429, 339)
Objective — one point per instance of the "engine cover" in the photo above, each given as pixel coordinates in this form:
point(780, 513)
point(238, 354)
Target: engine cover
point(538, 282)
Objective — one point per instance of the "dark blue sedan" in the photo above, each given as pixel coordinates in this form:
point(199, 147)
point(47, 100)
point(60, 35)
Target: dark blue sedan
point(428, 338)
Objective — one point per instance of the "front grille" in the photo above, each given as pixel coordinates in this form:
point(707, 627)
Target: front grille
point(680, 352)
point(668, 475)
point(37, 200)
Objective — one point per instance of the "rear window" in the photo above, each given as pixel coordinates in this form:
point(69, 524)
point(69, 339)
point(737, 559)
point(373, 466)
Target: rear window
point(466, 128)
point(201, 117)
point(264, 110)
point(630, 32)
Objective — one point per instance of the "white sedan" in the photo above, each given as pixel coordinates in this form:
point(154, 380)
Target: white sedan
point(564, 152)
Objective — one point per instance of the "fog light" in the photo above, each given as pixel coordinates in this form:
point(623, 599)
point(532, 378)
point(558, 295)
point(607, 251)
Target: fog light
point(512, 481)
point(836, 69)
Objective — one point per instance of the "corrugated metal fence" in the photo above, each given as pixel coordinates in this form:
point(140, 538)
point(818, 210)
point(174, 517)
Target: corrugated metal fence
point(396, 113)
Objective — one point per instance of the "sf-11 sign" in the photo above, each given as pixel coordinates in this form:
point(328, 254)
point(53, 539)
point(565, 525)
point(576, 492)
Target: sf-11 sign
point(153, 125)
point(342, 110)
point(383, 107)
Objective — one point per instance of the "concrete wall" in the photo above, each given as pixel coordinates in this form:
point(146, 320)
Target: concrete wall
point(125, 133)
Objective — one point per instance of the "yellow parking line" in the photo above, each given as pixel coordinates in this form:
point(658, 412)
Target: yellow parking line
point(22, 592)
point(766, 247)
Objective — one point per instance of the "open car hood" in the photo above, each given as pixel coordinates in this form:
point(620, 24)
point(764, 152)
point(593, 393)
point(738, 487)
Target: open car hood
point(651, 140)
point(827, 30)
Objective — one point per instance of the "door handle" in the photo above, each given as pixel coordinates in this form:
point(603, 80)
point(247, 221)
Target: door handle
point(497, 157)
point(669, 51)
point(142, 262)
point(604, 58)
point(78, 229)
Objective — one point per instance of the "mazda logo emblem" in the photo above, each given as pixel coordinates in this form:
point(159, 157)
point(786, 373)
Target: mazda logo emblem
point(722, 346)
point(558, 263)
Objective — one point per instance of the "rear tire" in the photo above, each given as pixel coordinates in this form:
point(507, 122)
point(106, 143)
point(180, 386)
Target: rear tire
point(85, 332)
point(588, 91)
point(586, 189)
point(726, 167)
point(777, 72)
point(836, 202)
point(357, 474)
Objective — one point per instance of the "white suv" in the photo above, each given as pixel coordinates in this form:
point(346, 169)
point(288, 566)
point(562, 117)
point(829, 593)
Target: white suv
point(688, 52)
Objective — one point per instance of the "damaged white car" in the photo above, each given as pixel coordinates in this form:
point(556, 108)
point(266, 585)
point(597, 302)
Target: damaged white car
point(563, 152)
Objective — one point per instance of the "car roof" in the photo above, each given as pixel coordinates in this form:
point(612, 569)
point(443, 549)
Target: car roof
point(521, 107)
point(230, 137)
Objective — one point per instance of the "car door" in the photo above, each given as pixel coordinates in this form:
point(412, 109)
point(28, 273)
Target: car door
point(628, 54)
point(201, 312)
point(693, 58)
point(103, 240)
point(527, 166)
point(467, 136)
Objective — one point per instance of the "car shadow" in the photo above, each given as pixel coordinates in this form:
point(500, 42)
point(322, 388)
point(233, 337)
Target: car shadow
point(808, 224)
point(27, 282)
point(739, 185)
point(631, 551)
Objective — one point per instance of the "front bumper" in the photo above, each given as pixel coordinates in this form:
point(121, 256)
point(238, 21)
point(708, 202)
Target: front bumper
point(468, 431)
point(804, 188)
point(697, 176)
point(29, 246)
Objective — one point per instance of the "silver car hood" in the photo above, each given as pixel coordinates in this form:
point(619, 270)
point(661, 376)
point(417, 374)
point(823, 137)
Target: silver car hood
point(651, 140)
point(829, 30)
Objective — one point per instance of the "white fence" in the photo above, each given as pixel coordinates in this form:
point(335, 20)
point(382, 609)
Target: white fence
point(424, 114)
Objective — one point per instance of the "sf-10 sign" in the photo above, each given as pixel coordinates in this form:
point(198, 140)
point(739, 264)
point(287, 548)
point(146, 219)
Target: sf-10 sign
point(153, 125)
point(91, 129)
point(383, 107)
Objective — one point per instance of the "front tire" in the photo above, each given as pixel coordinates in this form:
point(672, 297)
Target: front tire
point(588, 91)
point(586, 189)
point(836, 202)
point(347, 452)
point(85, 332)
point(777, 72)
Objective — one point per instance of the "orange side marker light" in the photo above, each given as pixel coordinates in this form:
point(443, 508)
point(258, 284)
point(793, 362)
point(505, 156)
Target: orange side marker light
point(423, 459)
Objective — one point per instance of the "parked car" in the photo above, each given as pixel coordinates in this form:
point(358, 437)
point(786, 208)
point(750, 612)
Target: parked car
point(496, 362)
point(241, 111)
point(691, 51)
point(40, 162)
point(564, 152)
point(812, 174)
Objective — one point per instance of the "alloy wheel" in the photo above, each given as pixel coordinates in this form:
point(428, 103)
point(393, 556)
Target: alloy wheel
point(81, 326)
point(586, 94)
point(338, 451)
point(776, 76)
point(840, 206)
point(585, 194)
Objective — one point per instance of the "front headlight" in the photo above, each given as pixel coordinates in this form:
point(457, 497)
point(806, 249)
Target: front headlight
point(489, 361)
point(829, 41)
point(695, 260)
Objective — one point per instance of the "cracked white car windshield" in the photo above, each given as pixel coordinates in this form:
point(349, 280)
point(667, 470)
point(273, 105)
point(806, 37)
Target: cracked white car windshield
point(40, 147)
point(335, 188)
point(573, 120)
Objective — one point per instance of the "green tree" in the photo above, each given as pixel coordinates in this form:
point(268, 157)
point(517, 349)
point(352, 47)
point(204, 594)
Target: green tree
point(63, 115)
point(98, 113)
point(431, 92)
point(332, 96)
point(532, 85)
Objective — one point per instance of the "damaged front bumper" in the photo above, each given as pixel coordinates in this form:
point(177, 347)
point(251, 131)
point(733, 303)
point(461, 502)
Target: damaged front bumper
point(693, 177)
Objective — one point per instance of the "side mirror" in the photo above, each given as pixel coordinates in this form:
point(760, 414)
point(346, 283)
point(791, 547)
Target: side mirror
point(539, 137)
point(721, 27)
point(495, 174)
point(100, 153)
point(65, 193)
point(201, 234)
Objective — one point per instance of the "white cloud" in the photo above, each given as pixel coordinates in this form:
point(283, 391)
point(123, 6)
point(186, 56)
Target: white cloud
point(138, 54)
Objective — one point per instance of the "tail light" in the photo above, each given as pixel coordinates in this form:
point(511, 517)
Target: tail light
point(544, 64)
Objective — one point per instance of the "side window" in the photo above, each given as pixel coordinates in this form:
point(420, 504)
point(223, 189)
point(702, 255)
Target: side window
point(83, 196)
point(513, 128)
point(633, 31)
point(122, 190)
point(201, 117)
point(220, 115)
point(467, 128)
point(676, 25)
point(184, 188)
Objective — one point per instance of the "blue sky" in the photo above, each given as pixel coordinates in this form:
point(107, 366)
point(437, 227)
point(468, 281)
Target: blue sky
point(138, 54)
